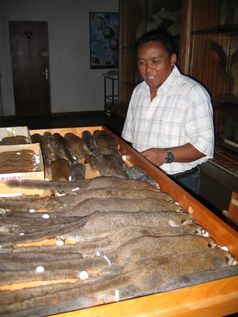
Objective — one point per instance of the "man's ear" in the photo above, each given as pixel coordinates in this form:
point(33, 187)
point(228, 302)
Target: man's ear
point(173, 59)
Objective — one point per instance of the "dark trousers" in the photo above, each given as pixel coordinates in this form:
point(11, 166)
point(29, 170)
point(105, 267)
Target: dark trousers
point(190, 180)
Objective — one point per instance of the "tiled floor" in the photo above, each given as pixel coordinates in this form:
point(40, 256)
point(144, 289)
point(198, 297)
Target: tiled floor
point(56, 121)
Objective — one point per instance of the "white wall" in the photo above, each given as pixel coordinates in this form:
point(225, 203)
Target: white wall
point(74, 86)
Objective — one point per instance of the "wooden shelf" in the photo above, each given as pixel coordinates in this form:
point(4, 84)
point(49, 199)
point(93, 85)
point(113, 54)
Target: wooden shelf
point(233, 28)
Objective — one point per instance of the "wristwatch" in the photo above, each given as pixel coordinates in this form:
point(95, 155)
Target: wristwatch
point(169, 158)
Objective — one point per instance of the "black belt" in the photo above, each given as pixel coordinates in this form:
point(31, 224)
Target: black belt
point(186, 173)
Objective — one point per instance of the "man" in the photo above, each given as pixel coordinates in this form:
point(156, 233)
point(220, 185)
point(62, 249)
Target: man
point(170, 116)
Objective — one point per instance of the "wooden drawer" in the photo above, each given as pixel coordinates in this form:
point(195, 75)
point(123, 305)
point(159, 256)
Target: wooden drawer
point(216, 298)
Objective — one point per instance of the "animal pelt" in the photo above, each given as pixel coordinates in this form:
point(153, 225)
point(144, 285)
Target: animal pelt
point(105, 239)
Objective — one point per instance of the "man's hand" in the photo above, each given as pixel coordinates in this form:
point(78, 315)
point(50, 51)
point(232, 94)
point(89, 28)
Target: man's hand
point(155, 156)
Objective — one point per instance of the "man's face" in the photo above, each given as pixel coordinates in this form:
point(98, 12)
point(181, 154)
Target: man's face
point(154, 63)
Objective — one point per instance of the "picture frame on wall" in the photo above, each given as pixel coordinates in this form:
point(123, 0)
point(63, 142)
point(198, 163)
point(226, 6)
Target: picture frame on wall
point(104, 39)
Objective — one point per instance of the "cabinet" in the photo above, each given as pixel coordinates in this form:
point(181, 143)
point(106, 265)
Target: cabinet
point(209, 53)
point(210, 46)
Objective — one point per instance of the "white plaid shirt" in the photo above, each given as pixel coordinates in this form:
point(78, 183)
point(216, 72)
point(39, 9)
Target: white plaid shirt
point(180, 113)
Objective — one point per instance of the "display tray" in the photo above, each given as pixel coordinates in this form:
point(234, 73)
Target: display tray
point(12, 167)
point(14, 135)
point(214, 298)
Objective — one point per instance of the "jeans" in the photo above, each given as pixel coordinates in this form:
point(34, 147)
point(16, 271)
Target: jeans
point(190, 182)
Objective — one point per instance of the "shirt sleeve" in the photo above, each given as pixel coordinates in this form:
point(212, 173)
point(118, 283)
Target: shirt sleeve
point(199, 126)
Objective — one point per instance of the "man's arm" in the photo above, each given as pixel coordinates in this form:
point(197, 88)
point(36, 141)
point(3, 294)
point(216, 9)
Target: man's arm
point(183, 154)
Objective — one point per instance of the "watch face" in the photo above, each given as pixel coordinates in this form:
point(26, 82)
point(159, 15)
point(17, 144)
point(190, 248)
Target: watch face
point(169, 157)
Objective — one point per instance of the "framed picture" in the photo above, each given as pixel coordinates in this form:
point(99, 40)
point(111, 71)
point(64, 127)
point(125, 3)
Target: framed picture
point(104, 39)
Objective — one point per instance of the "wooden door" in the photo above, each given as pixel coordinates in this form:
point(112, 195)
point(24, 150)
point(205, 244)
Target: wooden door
point(30, 66)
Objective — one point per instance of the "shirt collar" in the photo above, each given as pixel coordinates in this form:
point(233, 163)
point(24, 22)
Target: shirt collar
point(171, 80)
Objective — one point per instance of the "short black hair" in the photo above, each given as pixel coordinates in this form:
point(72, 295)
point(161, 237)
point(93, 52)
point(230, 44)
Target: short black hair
point(162, 36)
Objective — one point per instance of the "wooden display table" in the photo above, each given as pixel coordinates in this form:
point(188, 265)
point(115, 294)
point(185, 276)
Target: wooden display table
point(215, 298)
